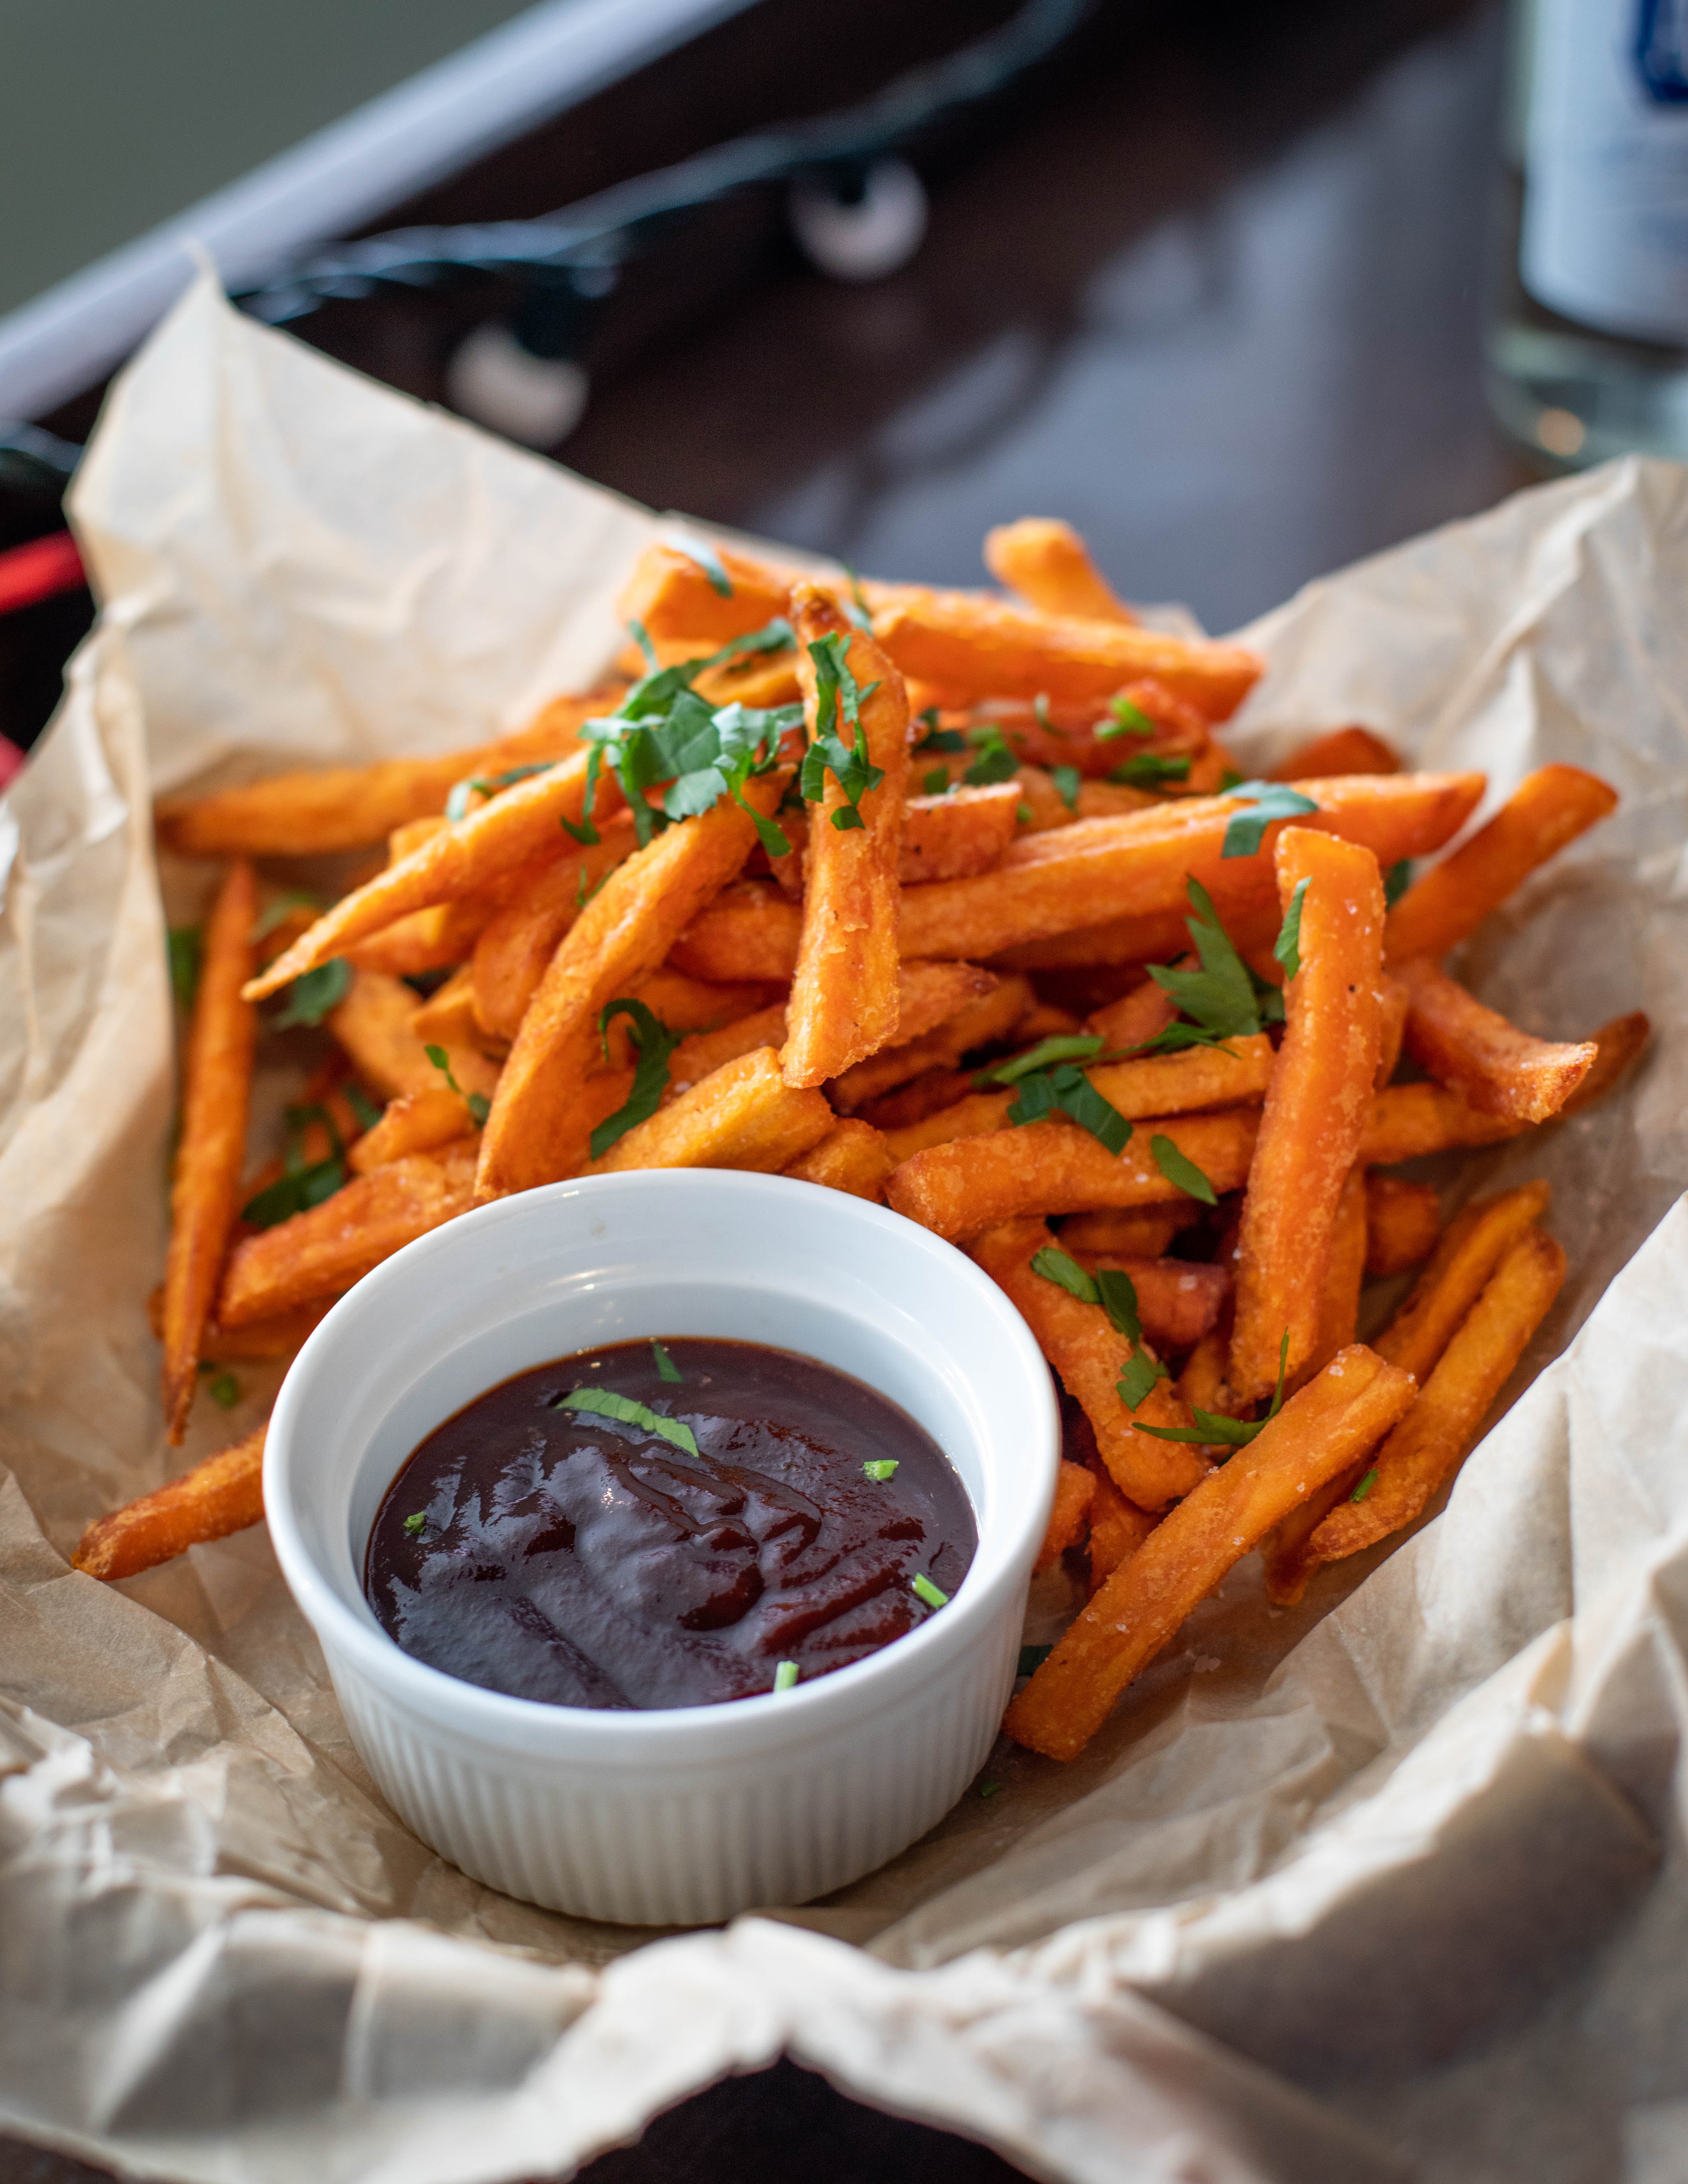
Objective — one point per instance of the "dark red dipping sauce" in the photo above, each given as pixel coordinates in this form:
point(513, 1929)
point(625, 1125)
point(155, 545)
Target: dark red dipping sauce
point(585, 1560)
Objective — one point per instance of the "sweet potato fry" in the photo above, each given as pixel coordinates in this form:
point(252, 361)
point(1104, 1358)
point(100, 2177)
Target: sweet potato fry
point(520, 938)
point(1075, 1489)
point(971, 647)
point(215, 1095)
point(1501, 1070)
point(447, 1016)
point(1202, 1384)
point(1393, 999)
point(743, 1116)
point(1617, 1044)
point(1352, 750)
point(1318, 1432)
point(1446, 904)
point(970, 1116)
point(844, 992)
point(1473, 1245)
point(1316, 1109)
point(252, 1344)
point(674, 599)
point(1338, 1301)
point(1056, 1168)
point(985, 1021)
point(435, 939)
point(223, 1494)
point(683, 1004)
point(535, 1133)
point(928, 1094)
point(1129, 1231)
point(1410, 1120)
point(348, 807)
point(1286, 1557)
point(853, 1157)
point(1433, 1438)
point(373, 1025)
point(319, 1253)
point(1133, 1020)
point(749, 931)
point(1118, 1528)
point(474, 852)
point(706, 1051)
point(1403, 1223)
point(1178, 1299)
point(414, 1123)
point(1049, 566)
point(1089, 1354)
point(954, 836)
point(1100, 870)
point(931, 995)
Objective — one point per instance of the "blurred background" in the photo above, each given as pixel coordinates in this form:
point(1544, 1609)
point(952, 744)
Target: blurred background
point(1209, 279)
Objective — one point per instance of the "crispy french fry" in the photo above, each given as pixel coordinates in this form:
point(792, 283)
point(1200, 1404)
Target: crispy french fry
point(474, 852)
point(1410, 1120)
point(1040, 805)
point(447, 1017)
point(1403, 1223)
point(754, 680)
point(1352, 750)
point(1446, 904)
point(216, 1093)
point(843, 991)
point(321, 1252)
point(675, 600)
point(1100, 870)
point(1617, 1044)
point(411, 835)
point(1338, 1301)
point(972, 647)
point(1285, 1555)
point(958, 1188)
point(536, 1131)
point(706, 1051)
point(1499, 1069)
point(1178, 1299)
point(1318, 1432)
point(298, 815)
point(252, 1344)
point(1434, 1437)
point(1202, 1384)
point(743, 1115)
point(414, 1123)
point(931, 995)
point(953, 836)
point(1129, 1231)
point(1393, 999)
point(1133, 1020)
point(749, 931)
point(1472, 1246)
point(982, 1023)
point(518, 940)
point(928, 1094)
point(970, 1116)
point(853, 1157)
point(683, 1004)
point(223, 1494)
point(373, 1025)
point(1049, 566)
point(1069, 1520)
point(436, 939)
point(1089, 1354)
point(1118, 1528)
point(1045, 732)
point(1316, 1109)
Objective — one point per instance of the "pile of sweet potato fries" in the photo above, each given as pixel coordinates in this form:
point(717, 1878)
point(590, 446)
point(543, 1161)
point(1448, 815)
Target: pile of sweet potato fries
point(953, 900)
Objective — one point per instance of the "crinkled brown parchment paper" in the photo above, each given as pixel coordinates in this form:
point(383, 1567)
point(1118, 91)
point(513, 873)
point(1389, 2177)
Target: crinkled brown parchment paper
point(1390, 1883)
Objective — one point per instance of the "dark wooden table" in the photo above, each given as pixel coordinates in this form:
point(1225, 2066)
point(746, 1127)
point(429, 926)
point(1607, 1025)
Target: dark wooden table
point(1219, 302)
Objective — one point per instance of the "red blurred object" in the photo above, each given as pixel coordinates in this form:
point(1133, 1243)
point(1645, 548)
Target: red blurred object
point(11, 761)
point(39, 570)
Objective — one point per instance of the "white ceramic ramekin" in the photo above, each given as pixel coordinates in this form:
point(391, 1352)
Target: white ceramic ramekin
point(683, 1814)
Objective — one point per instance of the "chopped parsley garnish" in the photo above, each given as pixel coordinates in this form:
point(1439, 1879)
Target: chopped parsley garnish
point(1140, 1375)
point(1066, 1090)
point(1125, 719)
point(936, 738)
point(838, 697)
point(184, 963)
point(937, 782)
point(653, 1043)
point(925, 1590)
point(224, 1392)
point(1178, 1169)
point(1224, 997)
point(1117, 1293)
point(1397, 881)
point(1040, 714)
point(996, 761)
point(1061, 1047)
point(1365, 1485)
point(605, 1403)
point(1069, 781)
point(990, 1789)
point(479, 1105)
point(667, 1369)
point(283, 907)
point(1149, 769)
point(302, 1184)
point(1271, 800)
point(858, 609)
point(1229, 778)
point(414, 1522)
point(1032, 1659)
point(583, 893)
point(362, 1107)
point(1287, 948)
point(457, 803)
point(311, 996)
point(785, 1676)
point(880, 1468)
point(701, 551)
point(1211, 1428)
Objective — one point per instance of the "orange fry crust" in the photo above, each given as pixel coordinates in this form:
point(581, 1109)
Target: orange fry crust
point(1501, 1070)
point(224, 1494)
